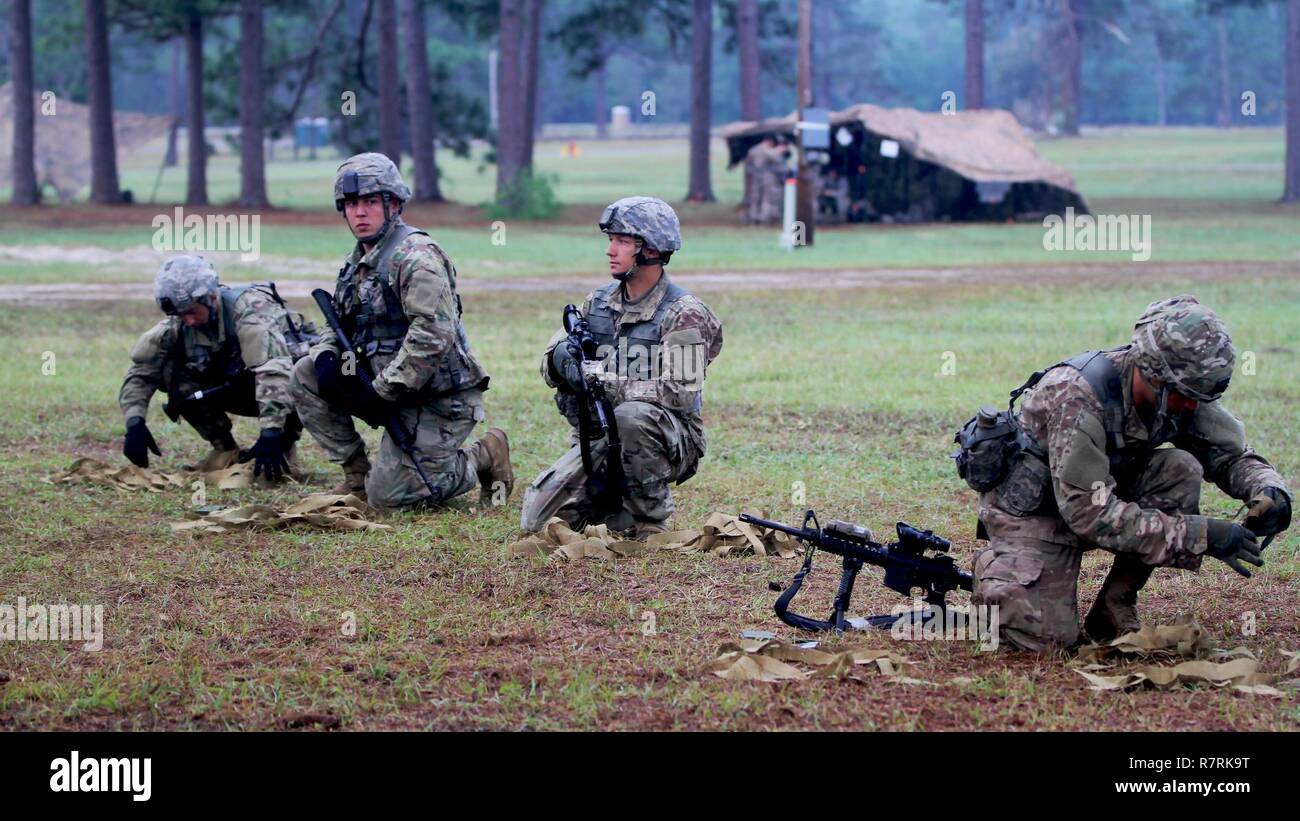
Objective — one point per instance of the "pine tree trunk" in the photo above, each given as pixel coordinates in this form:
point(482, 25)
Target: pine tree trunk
point(174, 97)
point(599, 79)
point(104, 186)
point(196, 183)
point(1072, 57)
point(532, 67)
point(25, 191)
point(390, 89)
point(1162, 84)
point(1225, 81)
point(419, 96)
point(700, 188)
point(252, 105)
point(510, 98)
point(1291, 190)
point(974, 54)
point(747, 35)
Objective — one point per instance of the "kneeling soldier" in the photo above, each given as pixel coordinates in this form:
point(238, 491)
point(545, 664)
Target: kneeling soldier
point(1089, 473)
point(396, 298)
point(657, 340)
point(221, 350)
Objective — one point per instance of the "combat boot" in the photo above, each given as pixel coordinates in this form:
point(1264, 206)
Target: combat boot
point(355, 471)
point(224, 453)
point(1114, 613)
point(491, 456)
point(645, 528)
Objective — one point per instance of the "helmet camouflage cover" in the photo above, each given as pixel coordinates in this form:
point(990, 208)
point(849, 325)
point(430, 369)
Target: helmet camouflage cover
point(370, 173)
point(1185, 345)
point(181, 281)
point(650, 219)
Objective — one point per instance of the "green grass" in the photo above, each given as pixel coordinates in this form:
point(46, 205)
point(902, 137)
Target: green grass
point(1210, 194)
point(841, 391)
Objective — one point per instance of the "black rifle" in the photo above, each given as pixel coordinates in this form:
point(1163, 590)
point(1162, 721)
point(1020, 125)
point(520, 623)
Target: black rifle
point(606, 489)
point(906, 567)
point(393, 424)
point(172, 407)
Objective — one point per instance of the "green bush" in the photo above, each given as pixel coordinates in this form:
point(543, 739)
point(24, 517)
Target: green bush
point(530, 196)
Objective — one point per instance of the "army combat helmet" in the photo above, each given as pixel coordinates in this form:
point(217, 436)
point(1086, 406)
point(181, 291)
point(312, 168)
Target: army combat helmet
point(651, 221)
point(182, 281)
point(1186, 347)
point(364, 174)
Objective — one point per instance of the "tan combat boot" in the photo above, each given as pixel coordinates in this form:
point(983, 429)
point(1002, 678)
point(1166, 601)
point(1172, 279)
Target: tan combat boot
point(1114, 613)
point(224, 453)
point(355, 471)
point(645, 528)
point(491, 456)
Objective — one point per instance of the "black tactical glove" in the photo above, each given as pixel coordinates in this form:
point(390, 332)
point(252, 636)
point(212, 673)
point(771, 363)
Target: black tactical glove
point(329, 377)
point(268, 453)
point(139, 441)
point(1270, 513)
point(367, 405)
point(566, 370)
point(1233, 544)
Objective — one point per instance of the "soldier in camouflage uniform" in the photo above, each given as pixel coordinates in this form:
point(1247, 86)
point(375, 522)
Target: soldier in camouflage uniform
point(396, 297)
point(1093, 478)
point(235, 345)
point(656, 340)
point(766, 167)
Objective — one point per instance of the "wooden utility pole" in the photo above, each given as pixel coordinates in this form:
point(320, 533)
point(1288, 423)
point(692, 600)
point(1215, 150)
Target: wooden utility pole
point(804, 214)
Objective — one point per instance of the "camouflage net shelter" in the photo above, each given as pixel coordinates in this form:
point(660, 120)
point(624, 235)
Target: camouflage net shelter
point(968, 165)
point(63, 140)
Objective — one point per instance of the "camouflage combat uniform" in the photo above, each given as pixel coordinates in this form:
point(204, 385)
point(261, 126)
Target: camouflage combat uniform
point(765, 173)
point(657, 393)
point(399, 303)
point(1129, 498)
point(248, 343)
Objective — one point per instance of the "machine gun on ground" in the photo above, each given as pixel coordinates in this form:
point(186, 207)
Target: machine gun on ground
point(907, 563)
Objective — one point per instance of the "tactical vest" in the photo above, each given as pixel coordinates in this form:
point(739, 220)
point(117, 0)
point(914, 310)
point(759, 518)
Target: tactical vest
point(381, 332)
point(1104, 379)
point(639, 341)
point(207, 367)
point(203, 365)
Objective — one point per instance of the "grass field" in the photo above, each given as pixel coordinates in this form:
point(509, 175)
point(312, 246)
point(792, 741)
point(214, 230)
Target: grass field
point(840, 391)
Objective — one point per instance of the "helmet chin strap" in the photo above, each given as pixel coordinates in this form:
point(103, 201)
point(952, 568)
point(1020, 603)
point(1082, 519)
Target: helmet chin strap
point(1162, 410)
point(639, 261)
point(213, 299)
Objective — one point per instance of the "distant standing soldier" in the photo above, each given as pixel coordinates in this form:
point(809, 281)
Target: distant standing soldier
point(220, 350)
point(396, 298)
point(765, 172)
point(658, 340)
point(1092, 475)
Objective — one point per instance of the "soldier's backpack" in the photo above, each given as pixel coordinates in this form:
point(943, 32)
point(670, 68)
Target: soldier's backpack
point(992, 444)
point(299, 332)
